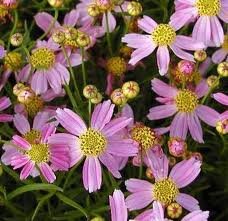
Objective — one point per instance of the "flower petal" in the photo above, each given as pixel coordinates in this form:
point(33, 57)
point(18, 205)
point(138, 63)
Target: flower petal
point(187, 201)
point(163, 59)
point(47, 172)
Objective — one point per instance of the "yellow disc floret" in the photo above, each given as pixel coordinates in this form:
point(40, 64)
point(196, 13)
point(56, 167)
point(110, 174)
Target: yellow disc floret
point(116, 66)
point(163, 34)
point(186, 101)
point(33, 136)
point(13, 61)
point(39, 153)
point(42, 59)
point(208, 7)
point(165, 191)
point(35, 105)
point(92, 143)
point(145, 136)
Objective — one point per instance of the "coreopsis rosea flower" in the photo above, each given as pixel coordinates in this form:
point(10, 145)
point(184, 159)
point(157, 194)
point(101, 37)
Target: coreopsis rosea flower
point(96, 142)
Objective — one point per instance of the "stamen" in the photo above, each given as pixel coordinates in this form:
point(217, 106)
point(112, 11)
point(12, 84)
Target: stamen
point(39, 153)
point(208, 7)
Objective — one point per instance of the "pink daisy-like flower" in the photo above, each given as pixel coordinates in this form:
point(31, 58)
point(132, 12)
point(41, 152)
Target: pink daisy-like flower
point(184, 103)
point(157, 214)
point(4, 104)
point(221, 54)
point(118, 206)
point(96, 143)
point(166, 188)
point(47, 69)
point(32, 151)
point(160, 36)
point(208, 28)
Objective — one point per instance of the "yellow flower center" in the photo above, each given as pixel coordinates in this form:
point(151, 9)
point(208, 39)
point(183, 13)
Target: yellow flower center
point(165, 191)
point(225, 43)
point(13, 61)
point(33, 136)
point(34, 105)
point(42, 59)
point(92, 143)
point(163, 34)
point(208, 7)
point(3, 11)
point(117, 66)
point(145, 136)
point(39, 153)
point(186, 101)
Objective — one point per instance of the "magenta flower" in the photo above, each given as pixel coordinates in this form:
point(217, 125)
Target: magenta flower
point(4, 104)
point(221, 54)
point(47, 68)
point(32, 152)
point(97, 143)
point(184, 103)
point(161, 36)
point(166, 188)
point(208, 28)
point(118, 206)
point(157, 214)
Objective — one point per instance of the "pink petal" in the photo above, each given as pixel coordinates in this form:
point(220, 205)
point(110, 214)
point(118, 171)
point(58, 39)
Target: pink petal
point(21, 123)
point(71, 18)
point(137, 185)
point(92, 176)
point(111, 22)
point(217, 32)
point(147, 24)
point(40, 120)
point(4, 103)
point(197, 215)
point(158, 211)
point(39, 82)
point(6, 118)
point(47, 131)
point(202, 88)
point(18, 161)
point(54, 80)
point(219, 56)
point(163, 59)
point(27, 169)
point(21, 142)
point(187, 201)
point(188, 43)
point(181, 54)
point(221, 98)
point(24, 74)
point(47, 172)
point(63, 73)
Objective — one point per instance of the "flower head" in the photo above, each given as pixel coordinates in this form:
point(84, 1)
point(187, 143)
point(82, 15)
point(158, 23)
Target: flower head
point(184, 103)
point(160, 36)
point(96, 142)
point(166, 188)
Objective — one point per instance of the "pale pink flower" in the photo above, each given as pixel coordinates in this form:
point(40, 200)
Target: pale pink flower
point(208, 28)
point(4, 104)
point(32, 152)
point(96, 143)
point(166, 187)
point(184, 104)
point(118, 206)
point(161, 36)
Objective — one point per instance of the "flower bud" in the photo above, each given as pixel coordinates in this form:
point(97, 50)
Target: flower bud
point(172, 161)
point(223, 69)
point(186, 67)
point(18, 88)
point(200, 55)
point(126, 51)
point(16, 39)
point(213, 81)
point(134, 8)
point(71, 33)
point(174, 210)
point(98, 218)
point(116, 66)
point(118, 97)
point(93, 10)
point(83, 40)
point(222, 126)
point(56, 3)
point(58, 37)
point(25, 95)
point(118, 2)
point(130, 89)
point(97, 99)
point(177, 147)
point(149, 174)
point(197, 155)
point(90, 91)
point(13, 61)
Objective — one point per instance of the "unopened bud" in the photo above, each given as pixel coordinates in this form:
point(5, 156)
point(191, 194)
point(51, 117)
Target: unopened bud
point(174, 210)
point(177, 147)
point(71, 33)
point(186, 67)
point(58, 37)
point(222, 126)
point(18, 88)
point(118, 97)
point(90, 91)
point(83, 40)
point(149, 174)
point(97, 99)
point(134, 8)
point(25, 96)
point(16, 39)
point(213, 81)
point(98, 218)
point(223, 69)
point(56, 3)
point(172, 161)
point(93, 10)
point(200, 55)
point(130, 89)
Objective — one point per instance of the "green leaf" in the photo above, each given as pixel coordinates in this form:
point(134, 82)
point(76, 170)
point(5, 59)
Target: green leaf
point(32, 187)
point(73, 204)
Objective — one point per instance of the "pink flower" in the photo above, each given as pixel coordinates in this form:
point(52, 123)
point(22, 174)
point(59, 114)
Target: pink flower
point(161, 36)
point(207, 28)
point(32, 152)
point(221, 54)
point(157, 214)
point(118, 206)
point(4, 104)
point(184, 104)
point(96, 143)
point(9, 2)
point(166, 188)
point(221, 98)
point(48, 69)
point(2, 52)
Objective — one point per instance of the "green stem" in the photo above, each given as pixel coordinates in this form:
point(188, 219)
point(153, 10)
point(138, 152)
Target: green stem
point(141, 167)
point(89, 110)
point(72, 74)
point(70, 95)
point(14, 27)
point(83, 66)
point(108, 34)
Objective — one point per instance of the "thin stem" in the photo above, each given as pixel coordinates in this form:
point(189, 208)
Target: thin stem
point(72, 74)
point(108, 34)
point(89, 109)
point(14, 27)
point(141, 167)
point(83, 66)
point(70, 95)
